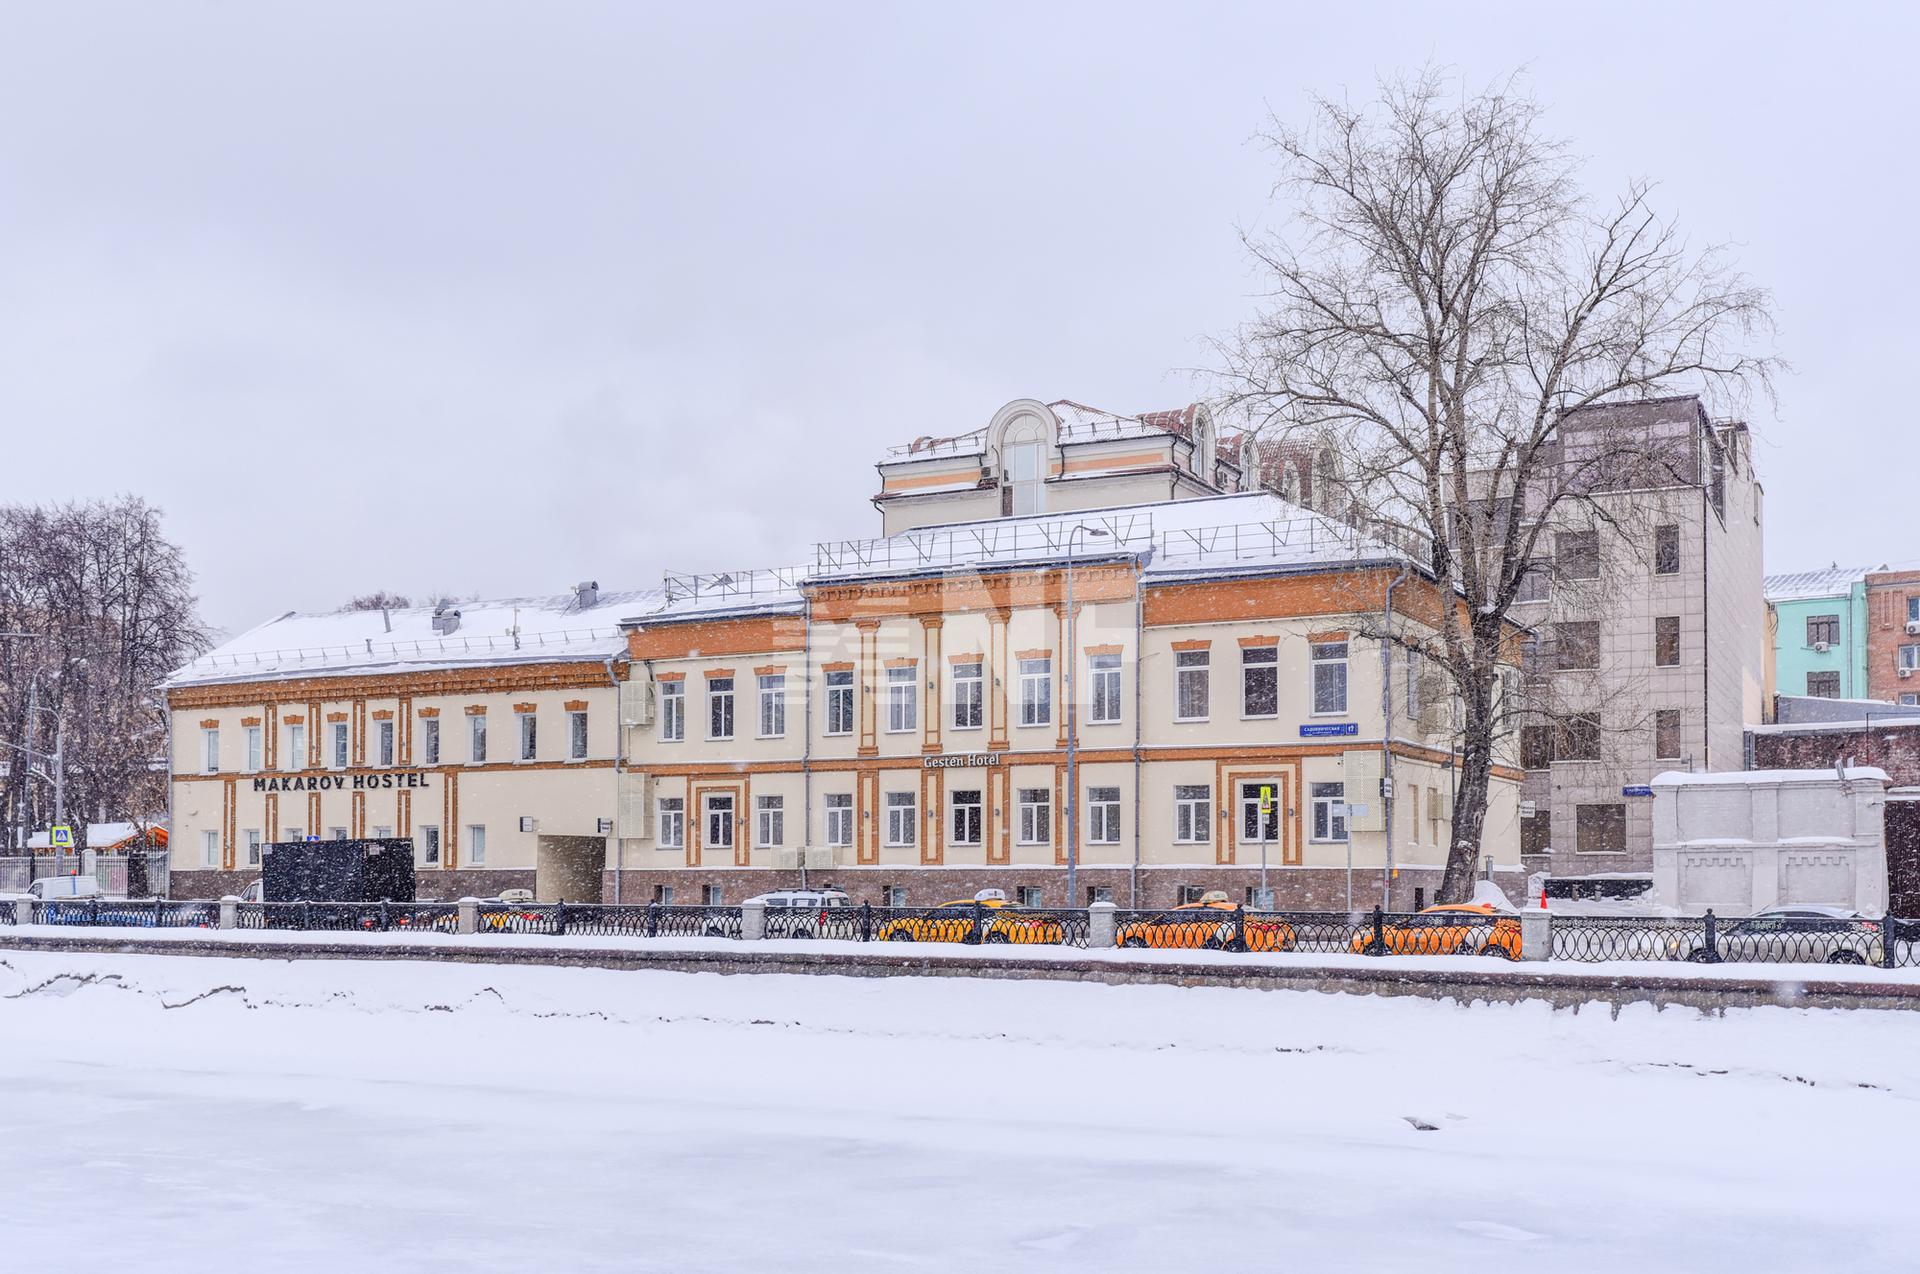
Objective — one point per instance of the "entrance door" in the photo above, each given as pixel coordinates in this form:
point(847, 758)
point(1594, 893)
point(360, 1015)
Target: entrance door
point(1262, 817)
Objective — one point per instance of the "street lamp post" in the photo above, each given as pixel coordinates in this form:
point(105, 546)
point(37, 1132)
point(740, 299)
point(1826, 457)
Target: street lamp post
point(1073, 719)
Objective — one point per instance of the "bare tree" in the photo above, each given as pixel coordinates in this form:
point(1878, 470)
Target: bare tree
point(379, 599)
point(1441, 295)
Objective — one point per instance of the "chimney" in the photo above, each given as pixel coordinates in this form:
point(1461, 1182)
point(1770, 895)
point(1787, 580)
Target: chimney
point(586, 594)
point(445, 619)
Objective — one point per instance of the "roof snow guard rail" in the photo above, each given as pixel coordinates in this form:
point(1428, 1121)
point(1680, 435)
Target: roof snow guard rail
point(683, 586)
point(987, 544)
point(1308, 537)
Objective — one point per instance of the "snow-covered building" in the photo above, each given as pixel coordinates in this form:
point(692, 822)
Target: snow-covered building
point(483, 730)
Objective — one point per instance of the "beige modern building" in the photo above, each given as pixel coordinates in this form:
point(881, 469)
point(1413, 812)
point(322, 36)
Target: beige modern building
point(484, 731)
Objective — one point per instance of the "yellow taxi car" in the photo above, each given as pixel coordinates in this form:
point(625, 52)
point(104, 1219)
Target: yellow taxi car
point(1451, 928)
point(947, 922)
point(1209, 925)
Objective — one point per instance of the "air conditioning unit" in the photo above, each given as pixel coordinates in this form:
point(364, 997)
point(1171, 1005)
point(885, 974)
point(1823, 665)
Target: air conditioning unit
point(1820, 646)
point(636, 702)
point(1906, 672)
point(820, 858)
point(1913, 627)
point(786, 859)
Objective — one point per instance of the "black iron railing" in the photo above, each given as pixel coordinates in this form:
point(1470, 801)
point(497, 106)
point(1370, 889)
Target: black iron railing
point(157, 913)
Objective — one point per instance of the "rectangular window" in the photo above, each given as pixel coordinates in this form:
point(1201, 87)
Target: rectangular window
point(529, 736)
point(903, 699)
point(429, 846)
point(663, 895)
point(1192, 813)
point(339, 745)
point(1666, 550)
point(1536, 747)
point(969, 696)
point(719, 707)
point(840, 702)
point(210, 750)
point(576, 736)
point(1910, 700)
point(1823, 630)
point(1103, 815)
point(712, 896)
point(1329, 678)
point(1910, 656)
point(1666, 734)
point(1256, 825)
point(477, 738)
point(672, 812)
point(1191, 675)
point(1105, 672)
point(383, 731)
point(1260, 681)
point(903, 809)
point(1036, 691)
point(1413, 685)
point(1330, 811)
point(773, 706)
point(673, 711)
point(1913, 610)
point(964, 808)
point(839, 819)
point(476, 844)
point(720, 820)
point(1823, 685)
point(382, 833)
point(1099, 893)
point(1579, 738)
point(296, 833)
point(1666, 641)
point(1036, 815)
point(1536, 834)
point(893, 895)
point(336, 833)
point(1534, 583)
point(1577, 555)
point(210, 848)
point(1601, 829)
point(1028, 896)
point(253, 747)
point(296, 758)
point(1576, 646)
point(253, 846)
point(770, 820)
point(430, 741)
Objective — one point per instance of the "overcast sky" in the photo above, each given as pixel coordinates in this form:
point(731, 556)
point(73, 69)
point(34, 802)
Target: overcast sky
point(490, 298)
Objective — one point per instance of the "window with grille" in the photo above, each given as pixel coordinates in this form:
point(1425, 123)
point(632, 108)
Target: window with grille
point(1823, 685)
point(1823, 630)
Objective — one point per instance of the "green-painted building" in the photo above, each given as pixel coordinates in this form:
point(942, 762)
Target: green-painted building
point(1819, 631)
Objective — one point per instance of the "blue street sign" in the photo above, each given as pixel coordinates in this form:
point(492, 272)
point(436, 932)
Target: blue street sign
point(1329, 729)
point(1637, 789)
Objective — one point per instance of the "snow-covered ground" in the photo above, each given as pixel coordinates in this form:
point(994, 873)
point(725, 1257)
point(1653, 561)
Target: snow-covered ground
point(236, 1114)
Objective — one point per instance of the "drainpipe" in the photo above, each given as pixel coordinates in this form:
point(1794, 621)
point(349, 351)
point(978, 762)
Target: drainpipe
point(1139, 625)
point(806, 744)
point(619, 770)
point(166, 708)
point(1386, 744)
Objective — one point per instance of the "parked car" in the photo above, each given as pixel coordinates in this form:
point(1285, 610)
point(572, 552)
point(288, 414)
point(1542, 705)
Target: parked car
point(48, 888)
point(1211, 924)
point(1790, 933)
point(948, 922)
point(800, 913)
point(1456, 928)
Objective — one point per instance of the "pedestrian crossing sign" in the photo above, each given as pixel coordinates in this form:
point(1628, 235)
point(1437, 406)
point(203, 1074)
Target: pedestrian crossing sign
point(62, 836)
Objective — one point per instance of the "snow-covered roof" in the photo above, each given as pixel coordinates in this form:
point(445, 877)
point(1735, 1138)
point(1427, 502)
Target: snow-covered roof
point(511, 630)
point(1761, 778)
point(1828, 581)
point(102, 835)
point(1893, 720)
point(1078, 423)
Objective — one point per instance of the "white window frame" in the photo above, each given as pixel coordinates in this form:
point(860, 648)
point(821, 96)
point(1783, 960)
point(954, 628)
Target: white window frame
point(1103, 677)
point(476, 844)
point(254, 742)
point(769, 821)
point(1913, 609)
point(670, 816)
point(577, 737)
point(296, 758)
point(903, 699)
point(712, 895)
point(1321, 659)
point(339, 745)
point(210, 848)
point(338, 833)
point(1103, 816)
point(527, 729)
point(210, 750)
point(839, 814)
point(477, 738)
point(1264, 660)
point(1035, 805)
point(1909, 699)
point(1192, 814)
point(430, 740)
point(383, 736)
point(1910, 655)
point(966, 806)
point(773, 704)
point(1326, 827)
point(1029, 896)
point(1036, 692)
point(252, 839)
point(840, 703)
point(720, 703)
point(430, 845)
point(903, 818)
point(1195, 666)
point(724, 806)
point(673, 711)
point(969, 695)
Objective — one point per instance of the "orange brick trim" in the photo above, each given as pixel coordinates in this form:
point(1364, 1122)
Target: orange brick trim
point(1201, 643)
point(524, 708)
point(903, 663)
point(476, 709)
point(211, 723)
point(970, 657)
point(429, 712)
point(384, 714)
point(335, 718)
point(1337, 635)
point(839, 667)
point(718, 672)
point(770, 670)
point(1258, 641)
point(575, 705)
point(670, 676)
point(1112, 649)
point(1033, 654)
point(249, 720)
point(294, 718)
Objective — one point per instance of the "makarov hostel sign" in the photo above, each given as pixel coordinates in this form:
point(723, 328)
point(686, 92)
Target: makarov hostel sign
point(341, 782)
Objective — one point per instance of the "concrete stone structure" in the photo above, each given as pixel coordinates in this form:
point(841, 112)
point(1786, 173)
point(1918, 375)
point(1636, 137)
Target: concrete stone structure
point(1818, 621)
point(1893, 636)
point(1745, 841)
point(1651, 624)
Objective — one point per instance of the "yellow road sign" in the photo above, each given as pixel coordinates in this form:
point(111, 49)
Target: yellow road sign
point(62, 836)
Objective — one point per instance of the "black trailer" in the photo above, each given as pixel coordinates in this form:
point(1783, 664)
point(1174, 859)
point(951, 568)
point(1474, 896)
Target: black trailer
point(373, 871)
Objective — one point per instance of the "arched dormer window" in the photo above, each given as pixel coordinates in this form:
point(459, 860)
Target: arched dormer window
point(1023, 439)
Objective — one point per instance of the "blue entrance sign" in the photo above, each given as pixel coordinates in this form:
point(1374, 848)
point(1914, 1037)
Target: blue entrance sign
point(1637, 789)
point(1329, 729)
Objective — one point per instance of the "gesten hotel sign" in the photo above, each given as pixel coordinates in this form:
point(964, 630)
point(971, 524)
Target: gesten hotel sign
point(339, 782)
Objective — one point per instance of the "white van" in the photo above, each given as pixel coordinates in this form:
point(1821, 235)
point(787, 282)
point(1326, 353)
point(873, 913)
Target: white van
point(55, 887)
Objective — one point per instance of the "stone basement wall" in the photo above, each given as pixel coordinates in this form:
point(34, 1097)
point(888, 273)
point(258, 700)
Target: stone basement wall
point(428, 886)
